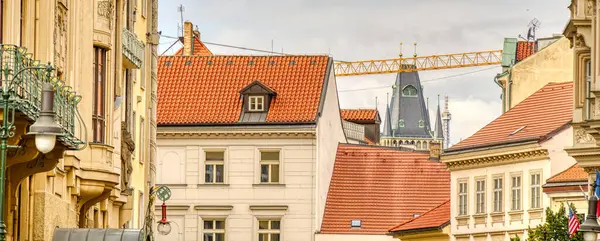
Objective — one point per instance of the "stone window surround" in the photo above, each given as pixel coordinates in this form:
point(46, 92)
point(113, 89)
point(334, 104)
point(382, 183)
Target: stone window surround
point(502, 194)
point(478, 179)
point(458, 182)
point(516, 174)
point(581, 57)
point(202, 167)
point(531, 173)
point(257, 170)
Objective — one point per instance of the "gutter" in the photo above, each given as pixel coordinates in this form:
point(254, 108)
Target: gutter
point(418, 230)
point(565, 184)
point(501, 87)
point(489, 146)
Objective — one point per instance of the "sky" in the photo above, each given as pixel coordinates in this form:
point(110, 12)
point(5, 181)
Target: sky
point(351, 30)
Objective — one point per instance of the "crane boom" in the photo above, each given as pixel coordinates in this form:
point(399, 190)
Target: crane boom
point(432, 62)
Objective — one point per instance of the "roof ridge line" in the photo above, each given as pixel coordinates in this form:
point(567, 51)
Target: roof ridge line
point(415, 218)
point(563, 171)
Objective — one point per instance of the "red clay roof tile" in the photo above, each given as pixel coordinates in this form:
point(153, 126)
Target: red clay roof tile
point(369, 141)
point(436, 217)
point(573, 174)
point(381, 186)
point(524, 50)
point(354, 115)
point(199, 49)
point(542, 113)
point(205, 90)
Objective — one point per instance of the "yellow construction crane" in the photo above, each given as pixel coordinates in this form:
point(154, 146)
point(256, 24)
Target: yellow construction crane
point(432, 62)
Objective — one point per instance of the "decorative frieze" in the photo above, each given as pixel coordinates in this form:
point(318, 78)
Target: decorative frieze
point(581, 137)
point(106, 10)
point(492, 160)
point(219, 135)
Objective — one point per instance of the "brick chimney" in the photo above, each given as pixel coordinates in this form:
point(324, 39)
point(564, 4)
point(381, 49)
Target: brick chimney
point(434, 151)
point(188, 39)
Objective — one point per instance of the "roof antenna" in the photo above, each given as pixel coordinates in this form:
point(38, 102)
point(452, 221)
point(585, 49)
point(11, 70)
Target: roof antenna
point(415, 54)
point(272, 47)
point(376, 103)
point(181, 9)
point(427, 104)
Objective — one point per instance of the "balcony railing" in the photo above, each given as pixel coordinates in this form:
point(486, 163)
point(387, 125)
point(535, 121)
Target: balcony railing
point(354, 131)
point(23, 78)
point(133, 50)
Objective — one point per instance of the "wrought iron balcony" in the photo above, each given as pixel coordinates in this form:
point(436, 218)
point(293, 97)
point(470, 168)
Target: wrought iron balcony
point(22, 77)
point(133, 50)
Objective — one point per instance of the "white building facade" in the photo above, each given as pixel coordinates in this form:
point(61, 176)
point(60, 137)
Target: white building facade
point(252, 181)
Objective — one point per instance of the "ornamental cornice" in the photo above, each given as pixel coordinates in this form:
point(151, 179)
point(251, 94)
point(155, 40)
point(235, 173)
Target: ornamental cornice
point(497, 159)
point(245, 135)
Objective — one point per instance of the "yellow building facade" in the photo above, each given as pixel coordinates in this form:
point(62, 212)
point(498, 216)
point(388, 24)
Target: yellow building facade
point(105, 52)
point(551, 63)
point(582, 32)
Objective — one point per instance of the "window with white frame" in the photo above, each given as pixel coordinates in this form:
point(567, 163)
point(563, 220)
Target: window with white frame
point(256, 103)
point(269, 166)
point(536, 190)
point(214, 230)
point(515, 186)
point(498, 194)
point(269, 230)
point(214, 167)
point(462, 198)
point(480, 196)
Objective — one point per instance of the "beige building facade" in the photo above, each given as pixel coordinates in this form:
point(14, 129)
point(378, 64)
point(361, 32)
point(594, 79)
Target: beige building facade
point(537, 64)
point(104, 51)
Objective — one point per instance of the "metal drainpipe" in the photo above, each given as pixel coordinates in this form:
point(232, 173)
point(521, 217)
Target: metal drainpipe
point(503, 90)
point(509, 88)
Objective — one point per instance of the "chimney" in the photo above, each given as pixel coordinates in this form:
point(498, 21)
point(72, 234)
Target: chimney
point(434, 151)
point(188, 47)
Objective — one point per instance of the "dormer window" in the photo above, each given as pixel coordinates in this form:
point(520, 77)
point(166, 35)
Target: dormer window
point(421, 123)
point(256, 99)
point(409, 90)
point(257, 103)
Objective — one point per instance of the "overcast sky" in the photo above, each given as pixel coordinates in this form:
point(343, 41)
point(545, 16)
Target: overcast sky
point(363, 30)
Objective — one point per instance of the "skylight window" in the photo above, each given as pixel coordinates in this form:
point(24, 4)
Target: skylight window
point(355, 224)
point(229, 62)
point(271, 62)
point(188, 63)
point(251, 62)
point(312, 62)
point(517, 131)
point(209, 62)
point(292, 62)
point(168, 63)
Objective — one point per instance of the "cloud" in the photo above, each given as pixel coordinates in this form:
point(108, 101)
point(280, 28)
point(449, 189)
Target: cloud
point(362, 30)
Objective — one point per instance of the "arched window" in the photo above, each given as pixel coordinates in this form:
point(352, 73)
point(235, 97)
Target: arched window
point(418, 145)
point(409, 90)
point(401, 123)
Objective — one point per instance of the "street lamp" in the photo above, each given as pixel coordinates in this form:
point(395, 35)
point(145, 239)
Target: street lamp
point(590, 227)
point(44, 128)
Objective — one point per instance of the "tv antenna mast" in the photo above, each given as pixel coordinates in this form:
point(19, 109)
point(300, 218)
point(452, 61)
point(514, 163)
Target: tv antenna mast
point(180, 9)
point(533, 26)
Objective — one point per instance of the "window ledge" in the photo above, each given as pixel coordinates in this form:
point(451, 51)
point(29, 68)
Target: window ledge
point(495, 214)
point(462, 217)
point(515, 212)
point(480, 215)
point(535, 210)
point(213, 185)
point(174, 184)
point(268, 185)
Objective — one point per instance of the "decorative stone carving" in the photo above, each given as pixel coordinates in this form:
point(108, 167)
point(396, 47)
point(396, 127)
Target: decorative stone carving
point(582, 137)
point(573, 8)
point(590, 7)
point(60, 37)
point(127, 148)
point(106, 9)
point(579, 41)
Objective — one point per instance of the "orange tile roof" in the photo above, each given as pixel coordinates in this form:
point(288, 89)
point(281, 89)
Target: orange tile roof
point(437, 217)
point(359, 114)
point(524, 50)
point(542, 113)
point(199, 49)
point(205, 90)
point(381, 186)
point(574, 173)
point(368, 141)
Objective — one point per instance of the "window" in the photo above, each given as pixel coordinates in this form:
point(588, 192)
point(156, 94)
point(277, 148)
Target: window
point(588, 89)
point(269, 230)
point(269, 167)
point(401, 123)
point(421, 123)
point(498, 195)
point(142, 146)
point(516, 193)
point(256, 103)
point(214, 167)
point(141, 210)
point(214, 230)
point(99, 102)
point(409, 90)
point(535, 190)
point(480, 196)
point(133, 129)
point(462, 198)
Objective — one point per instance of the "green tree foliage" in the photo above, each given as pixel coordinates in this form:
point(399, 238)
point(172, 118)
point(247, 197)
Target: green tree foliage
point(555, 227)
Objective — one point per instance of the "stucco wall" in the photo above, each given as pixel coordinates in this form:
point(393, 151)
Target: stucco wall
point(353, 237)
point(181, 167)
point(556, 151)
point(552, 64)
point(329, 134)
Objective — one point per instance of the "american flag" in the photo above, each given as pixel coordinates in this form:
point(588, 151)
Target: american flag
point(573, 222)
